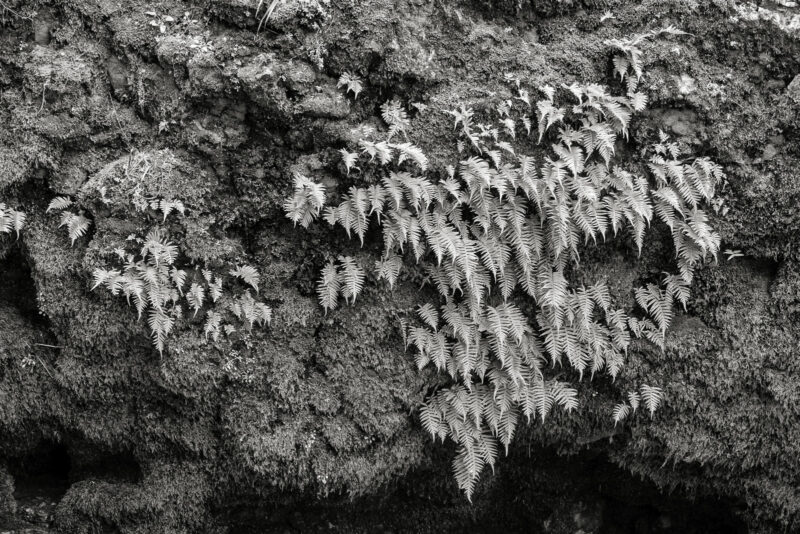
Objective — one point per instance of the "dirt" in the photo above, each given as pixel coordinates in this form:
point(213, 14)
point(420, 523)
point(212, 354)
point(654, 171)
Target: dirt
point(310, 425)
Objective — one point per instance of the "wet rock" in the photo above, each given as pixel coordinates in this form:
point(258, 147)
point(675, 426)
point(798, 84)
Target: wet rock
point(42, 26)
point(175, 50)
point(205, 74)
point(69, 179)
point(291, 11)
point(298, 75)
point(8, 505)
point(681, 122)
point(327, 104)
point(64, 71)
point(775, 85)
point(258, 72)
point(218, 131)
point(261, 80)
point(532, 35)
point(588, 518)
point(769, 152)
point(117, 75)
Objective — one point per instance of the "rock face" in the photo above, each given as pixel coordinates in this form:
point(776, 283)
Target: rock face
point(313, 421)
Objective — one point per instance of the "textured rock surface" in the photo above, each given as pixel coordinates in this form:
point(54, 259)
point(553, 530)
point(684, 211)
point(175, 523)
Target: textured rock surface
point(190, 100)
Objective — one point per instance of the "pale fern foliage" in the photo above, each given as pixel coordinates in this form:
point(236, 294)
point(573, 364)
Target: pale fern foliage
point(247, 274)
point(151, 281)
point(76, 224)
point(345, 279)
point(166, 207)
point(501, 226)
point(650, 396)
point(308, 199)
point(11, 220)
point(351, 82)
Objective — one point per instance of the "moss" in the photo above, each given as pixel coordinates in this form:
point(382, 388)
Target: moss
point(8, 505)
point(318, 406)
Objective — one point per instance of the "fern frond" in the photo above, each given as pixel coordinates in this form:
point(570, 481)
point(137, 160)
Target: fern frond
point(77, 225)
point(160, 325)
point(178, 278)
point(349, 159)
point(382, 150)
point(59, 204)
point(328, 287)
point(651, 397)
point(308, 199)
point(249, 275)
point(352, 82)
point(351, 277)
point(413, 153)
point(195, 297)
point(11, 220)
point(634, 398)
point(212, 325)
point(215, 289)
point(389, 268)
point(395, 116)
point(620, 413)
point(430, 315)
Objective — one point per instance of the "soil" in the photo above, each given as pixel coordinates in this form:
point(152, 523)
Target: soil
point(312, 423)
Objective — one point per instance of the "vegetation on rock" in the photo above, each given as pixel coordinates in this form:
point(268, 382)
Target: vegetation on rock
point(139, 112)
point(502, 220)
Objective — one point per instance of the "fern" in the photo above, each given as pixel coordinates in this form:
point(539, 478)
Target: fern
point(657, 303)
point(160, 325)
point(389, 268)
point(59, 204)
point(166, 207)
point(396, 117)
point(308, 200)
point(247, 274)
point(11, 220)
point(195, 297)
point(413, 153)
point(621, 412)
point(212, 325)
point(500, 228)
point(651, 397)
point(215, 289)
point(351, 82)
point(77, 224)
point(382, 150)
point(349, 159)
point(634, 398)
point(352, 278)
point(346, 280)
point(329, 287)
point(430, 315)
point(154, 285)
point(246, 309)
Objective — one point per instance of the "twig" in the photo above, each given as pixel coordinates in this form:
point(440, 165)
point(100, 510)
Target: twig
point(44, 92)
point(16, 14)
point(49, 346)
point(45, 367)
point(268, 13)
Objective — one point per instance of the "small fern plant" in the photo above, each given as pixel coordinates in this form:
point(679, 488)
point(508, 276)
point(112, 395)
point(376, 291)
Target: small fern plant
point(651, 396)
point(76, 223)
point(153, 283)
point(11, 220)
point(351, 83)
point(498, 232)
